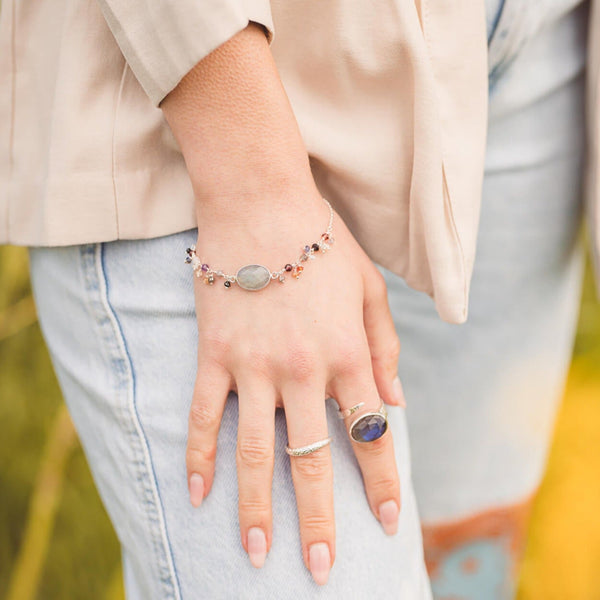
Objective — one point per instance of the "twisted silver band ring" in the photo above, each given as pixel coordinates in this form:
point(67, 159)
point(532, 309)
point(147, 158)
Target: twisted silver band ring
point(304, 450)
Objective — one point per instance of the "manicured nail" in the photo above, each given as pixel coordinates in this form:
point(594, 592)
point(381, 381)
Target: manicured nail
point(196, 489)
point(398, 392)
point(320, 562)
point(388, 515)
point(257, 546)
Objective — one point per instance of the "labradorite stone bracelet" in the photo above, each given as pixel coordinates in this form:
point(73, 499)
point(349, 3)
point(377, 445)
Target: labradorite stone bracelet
point(255, 277)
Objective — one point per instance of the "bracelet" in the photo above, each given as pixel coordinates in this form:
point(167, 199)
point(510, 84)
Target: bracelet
point(255, 277)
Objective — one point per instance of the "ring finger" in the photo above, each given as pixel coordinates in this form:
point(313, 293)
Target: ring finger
point(375, 453)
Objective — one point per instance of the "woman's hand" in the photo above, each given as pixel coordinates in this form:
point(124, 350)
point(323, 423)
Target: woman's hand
point(292, 344)
point(329, 333)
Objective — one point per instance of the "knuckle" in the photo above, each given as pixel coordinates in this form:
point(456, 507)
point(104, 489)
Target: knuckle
point(384, 486)
point(200, 455)
point(254, 506)
point(319, 524)
point(301, 363)
point(377, 286)
point(260, 359)
point(388, 356)
point(351, 355)
point(203, 415)
point(314, 466)
point(254, 452)
point(214, 346)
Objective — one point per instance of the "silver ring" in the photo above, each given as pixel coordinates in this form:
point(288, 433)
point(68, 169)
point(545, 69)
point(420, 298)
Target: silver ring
point(304, 450)
point(342, 414)
point(370, 426)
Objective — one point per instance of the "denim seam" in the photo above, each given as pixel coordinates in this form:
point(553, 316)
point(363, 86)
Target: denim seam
point(509, 35)
point(146, 474)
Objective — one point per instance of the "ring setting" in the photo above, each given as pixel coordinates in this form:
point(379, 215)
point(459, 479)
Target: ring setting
point(369, 426)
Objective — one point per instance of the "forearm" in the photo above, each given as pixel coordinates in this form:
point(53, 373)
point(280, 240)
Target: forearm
point(234, 124)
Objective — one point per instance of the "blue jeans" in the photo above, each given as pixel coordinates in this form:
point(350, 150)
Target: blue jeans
point(120, 325)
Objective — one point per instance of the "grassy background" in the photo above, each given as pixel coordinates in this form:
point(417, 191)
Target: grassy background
point(56, 541)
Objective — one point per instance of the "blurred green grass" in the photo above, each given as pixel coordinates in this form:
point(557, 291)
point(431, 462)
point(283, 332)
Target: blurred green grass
point(82, 552)
point(57, 543)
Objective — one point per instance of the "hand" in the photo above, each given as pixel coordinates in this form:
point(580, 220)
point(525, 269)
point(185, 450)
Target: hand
point(330, 333)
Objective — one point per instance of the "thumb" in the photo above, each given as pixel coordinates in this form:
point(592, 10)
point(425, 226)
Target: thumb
point(384, 343)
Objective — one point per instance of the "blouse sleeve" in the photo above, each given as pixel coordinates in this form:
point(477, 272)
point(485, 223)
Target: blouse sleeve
point(162, 40)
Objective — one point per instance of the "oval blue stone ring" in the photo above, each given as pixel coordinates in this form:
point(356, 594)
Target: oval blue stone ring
point(370, 426)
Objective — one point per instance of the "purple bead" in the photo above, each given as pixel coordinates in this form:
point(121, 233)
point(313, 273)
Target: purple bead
point(205, 267)
point(306, 248)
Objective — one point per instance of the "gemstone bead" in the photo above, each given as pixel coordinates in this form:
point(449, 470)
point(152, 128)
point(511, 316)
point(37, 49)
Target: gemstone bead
point(306, 248)
point(369, 428)
point(205, 267)
point(227, 284)
point(297, 271)
point(315, 247)
point(253, 277)
point(288, 267)
point(188, 259)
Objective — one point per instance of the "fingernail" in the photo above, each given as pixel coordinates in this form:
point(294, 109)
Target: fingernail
point(320, 562)
point(257, 546)
point(398, 392)
point(196, 489)
point(388, 515)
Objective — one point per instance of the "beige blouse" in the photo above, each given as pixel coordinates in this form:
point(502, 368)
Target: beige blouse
point(391, 103)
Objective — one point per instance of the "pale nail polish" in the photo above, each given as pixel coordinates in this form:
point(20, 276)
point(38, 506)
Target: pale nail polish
point(196, 489)
point(398, 392)
point(257, 546)
point(388, 515)
point(320, 562)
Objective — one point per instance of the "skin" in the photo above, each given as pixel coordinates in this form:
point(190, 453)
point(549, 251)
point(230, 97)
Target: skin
point(289, 345)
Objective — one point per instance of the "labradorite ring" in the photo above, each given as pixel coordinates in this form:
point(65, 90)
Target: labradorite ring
point(369, 426)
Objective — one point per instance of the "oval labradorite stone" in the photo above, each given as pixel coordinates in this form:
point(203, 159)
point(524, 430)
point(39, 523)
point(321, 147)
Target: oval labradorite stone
point(253, 277)
point(369, 428)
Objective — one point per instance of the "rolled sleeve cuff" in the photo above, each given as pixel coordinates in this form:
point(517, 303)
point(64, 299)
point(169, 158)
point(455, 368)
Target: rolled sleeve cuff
point(162, 41)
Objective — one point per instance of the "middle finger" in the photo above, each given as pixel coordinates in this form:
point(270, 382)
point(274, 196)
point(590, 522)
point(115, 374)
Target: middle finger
point(254, 456)
point(305, 413)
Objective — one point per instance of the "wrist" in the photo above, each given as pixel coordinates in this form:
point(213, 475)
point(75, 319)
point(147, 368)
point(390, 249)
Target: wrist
point(264, 230)
point(234, 124)
point(256, 275)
